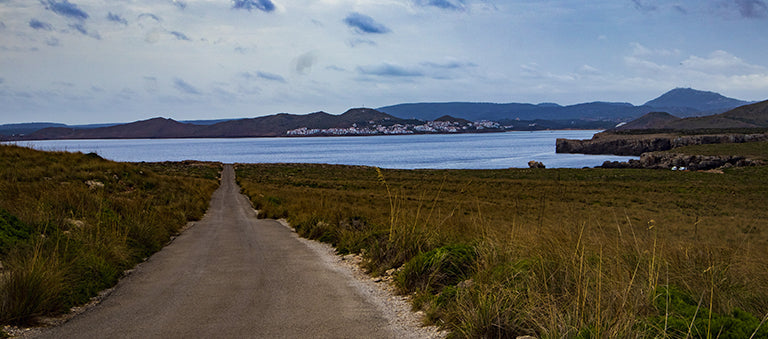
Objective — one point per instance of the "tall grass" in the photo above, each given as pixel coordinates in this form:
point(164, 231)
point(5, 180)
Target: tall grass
point(72, 223)
point(551, 253)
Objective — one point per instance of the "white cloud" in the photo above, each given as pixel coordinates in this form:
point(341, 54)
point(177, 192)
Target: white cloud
point(721, 62)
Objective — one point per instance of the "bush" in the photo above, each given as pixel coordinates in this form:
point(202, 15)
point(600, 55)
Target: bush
point(32, 286)
point(12, 231)
point(681, 315)
point(432, 271)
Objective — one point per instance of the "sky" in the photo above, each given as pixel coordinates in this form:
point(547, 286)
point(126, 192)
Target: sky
point(96, 61)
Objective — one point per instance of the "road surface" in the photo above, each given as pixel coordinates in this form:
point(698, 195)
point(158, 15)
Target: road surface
point(232, 275)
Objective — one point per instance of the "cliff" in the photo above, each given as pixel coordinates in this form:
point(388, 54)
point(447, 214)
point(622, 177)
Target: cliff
point(636, 145)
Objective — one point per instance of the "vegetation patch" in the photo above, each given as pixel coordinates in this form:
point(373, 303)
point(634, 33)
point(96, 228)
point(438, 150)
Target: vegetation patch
point(750, 150)
point(549, 253)
point(71, 223)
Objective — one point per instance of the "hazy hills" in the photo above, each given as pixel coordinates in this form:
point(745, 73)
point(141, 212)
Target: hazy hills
point(268, 126)
point(683, 102)
point(747, 116)
point(455, 117)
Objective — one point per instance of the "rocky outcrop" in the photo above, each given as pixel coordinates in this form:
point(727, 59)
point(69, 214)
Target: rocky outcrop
point(662, 160)
point(638, 144)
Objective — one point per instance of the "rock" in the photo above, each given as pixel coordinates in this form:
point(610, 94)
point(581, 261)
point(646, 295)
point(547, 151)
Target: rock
point(535, 164)
point(466, 284)
point(93, 184)
point(682, 162)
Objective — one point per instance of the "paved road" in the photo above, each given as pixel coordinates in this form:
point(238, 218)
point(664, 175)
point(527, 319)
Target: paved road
point(231, 275)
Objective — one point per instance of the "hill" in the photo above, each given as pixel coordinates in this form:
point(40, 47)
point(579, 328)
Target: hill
point(514, 111)
point(683, 102)
point(648, 121)
point(267, 126)
point(702, 101)
point(151, 128)
point(26, 128)
point(744, 117)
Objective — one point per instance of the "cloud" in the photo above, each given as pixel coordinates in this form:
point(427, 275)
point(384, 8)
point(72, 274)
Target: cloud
point(150, 16)
point(358, 42)
point(451, 64)
point(180, 36)
point(53, 42)
point(39, 25)
point(116, 18)
point(65, 8)
point(644, 6)
point(262, 5)
point(180, 4)
point(721, 62)
point(263, 76)
point(363, 24)
point(84, 31)
point(270, 76)
point(2, 80)
point(752, 8)
point(242, 50)
point(185, 87)
point(444, 4)
point(640, 50)
point(389, 70)
point(305, 62)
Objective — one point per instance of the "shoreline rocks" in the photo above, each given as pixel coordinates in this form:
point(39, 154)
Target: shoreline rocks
point(636, 145)
point(661, 160)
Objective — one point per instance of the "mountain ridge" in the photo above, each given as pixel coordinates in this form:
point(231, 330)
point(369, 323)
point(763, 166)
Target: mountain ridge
point(753, 115)
point(460, 115)
point(683, 102)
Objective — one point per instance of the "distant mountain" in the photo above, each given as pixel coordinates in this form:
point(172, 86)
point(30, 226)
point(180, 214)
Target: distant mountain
point(699, 100)
point(26, 128)
point(268, 126)
point(747, 116)
point(680, 102)
point(683, 102)
point(152, 128)
point(278, 124)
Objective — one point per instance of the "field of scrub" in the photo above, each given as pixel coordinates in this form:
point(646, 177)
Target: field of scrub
point(71, 223)
point(548, 252)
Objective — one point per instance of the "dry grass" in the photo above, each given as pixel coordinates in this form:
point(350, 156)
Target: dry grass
point(556, 253)
point(72, 223)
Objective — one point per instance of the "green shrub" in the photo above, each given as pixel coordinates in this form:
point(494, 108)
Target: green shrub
point(682, 315)
point(12, 231)
point(432, 271)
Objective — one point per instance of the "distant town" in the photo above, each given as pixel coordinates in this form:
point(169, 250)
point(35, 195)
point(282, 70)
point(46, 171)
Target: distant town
point(374, 128)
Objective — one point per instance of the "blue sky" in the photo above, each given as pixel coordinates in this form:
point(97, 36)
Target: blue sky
point(85, 61)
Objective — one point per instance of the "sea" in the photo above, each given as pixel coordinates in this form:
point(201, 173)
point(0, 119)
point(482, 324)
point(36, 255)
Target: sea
point(423, 151)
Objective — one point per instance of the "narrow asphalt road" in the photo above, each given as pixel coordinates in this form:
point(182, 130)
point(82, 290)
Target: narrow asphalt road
point(231, 275)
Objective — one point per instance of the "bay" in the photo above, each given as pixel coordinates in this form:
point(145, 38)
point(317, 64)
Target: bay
point(438, 151)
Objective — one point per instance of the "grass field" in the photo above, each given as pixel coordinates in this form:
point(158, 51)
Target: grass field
point(591, 253)
point(751, 150)
point(71, 223)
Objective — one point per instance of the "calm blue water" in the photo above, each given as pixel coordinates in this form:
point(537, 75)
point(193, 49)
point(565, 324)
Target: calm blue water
point(469, 151)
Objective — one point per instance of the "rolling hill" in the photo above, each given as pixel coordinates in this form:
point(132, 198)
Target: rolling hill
point(683, 102)
point(268, 126)
point(747, 116)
